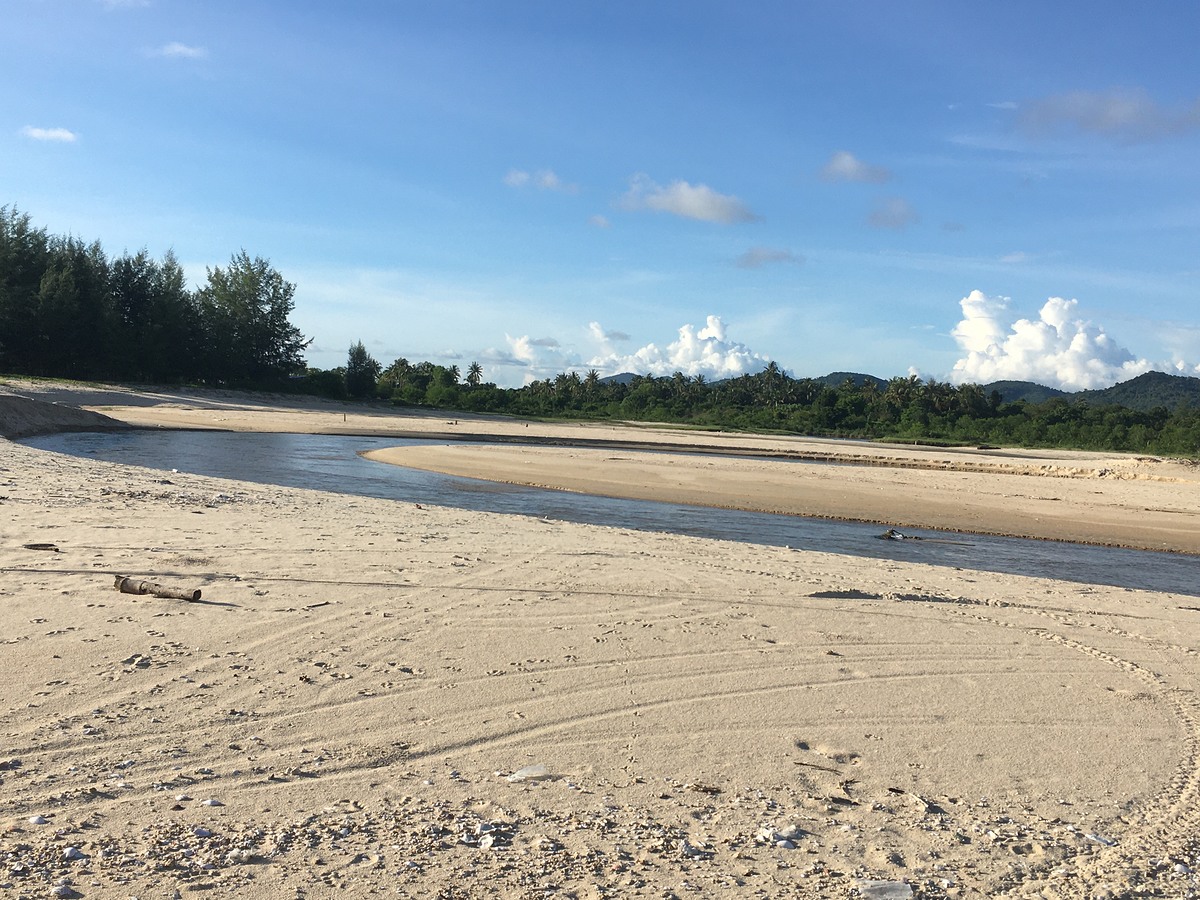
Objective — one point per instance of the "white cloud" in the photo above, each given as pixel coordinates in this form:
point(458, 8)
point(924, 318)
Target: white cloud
point(56, 135)
point(1129, 115)
point(599, 221)
point(543, 180)
point(605, 338)
point(1057, 350)
point(1017, 256)
point(125, 4)
point(532, 358)
point(176, 50)
point(706, 352)
point(892, 212)
point(845, 166)
point(757, 257)
point(689, 201)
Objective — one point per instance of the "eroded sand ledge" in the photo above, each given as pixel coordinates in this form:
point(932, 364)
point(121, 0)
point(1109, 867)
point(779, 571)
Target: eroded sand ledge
point(360, 670)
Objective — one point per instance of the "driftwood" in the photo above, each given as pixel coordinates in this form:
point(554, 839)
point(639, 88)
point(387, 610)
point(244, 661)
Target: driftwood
point(127, 585)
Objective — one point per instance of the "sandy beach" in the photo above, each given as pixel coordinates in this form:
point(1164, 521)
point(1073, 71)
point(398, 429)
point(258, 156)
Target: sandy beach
point(376, 698)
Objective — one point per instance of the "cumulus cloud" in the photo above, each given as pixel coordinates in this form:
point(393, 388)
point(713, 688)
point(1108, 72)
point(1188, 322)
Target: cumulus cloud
point(1129, 115)
point(689, 201)
point(176, 50)
point(706, 351)
point(543, 180)
point(528, 349)
point(757, 257)
point(534, 358)
point(895, 213)
point(1058, 349)
point(845, 166)
point(54, 135)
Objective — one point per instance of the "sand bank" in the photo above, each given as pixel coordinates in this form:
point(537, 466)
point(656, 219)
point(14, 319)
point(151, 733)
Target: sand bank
point(362, 677)
point(1106, 501)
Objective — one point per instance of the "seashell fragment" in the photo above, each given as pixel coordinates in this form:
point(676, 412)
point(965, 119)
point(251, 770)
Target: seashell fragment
point(531, 773)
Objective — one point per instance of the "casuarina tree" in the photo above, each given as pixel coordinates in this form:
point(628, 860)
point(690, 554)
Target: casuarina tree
point(362, 372)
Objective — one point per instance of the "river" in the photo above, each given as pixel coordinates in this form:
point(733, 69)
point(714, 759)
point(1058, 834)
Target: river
point(332, 463)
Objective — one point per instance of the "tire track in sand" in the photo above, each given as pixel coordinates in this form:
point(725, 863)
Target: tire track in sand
point(1166, 827)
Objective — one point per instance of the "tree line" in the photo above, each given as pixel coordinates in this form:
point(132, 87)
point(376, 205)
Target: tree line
point(69, 310)
point(905, 409)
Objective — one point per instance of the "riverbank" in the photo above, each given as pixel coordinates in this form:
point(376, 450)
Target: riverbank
point(362, 679)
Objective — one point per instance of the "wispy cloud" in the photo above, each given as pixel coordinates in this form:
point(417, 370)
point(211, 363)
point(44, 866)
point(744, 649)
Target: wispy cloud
point(1128, 115)
point(125, 4)
point(895, 213)
point(543, 180)
point(845, 166)
point(53, 135)
point(757, 257)
point(599, 221)
point(605, 338)
point(176, 50)
point(679, 198)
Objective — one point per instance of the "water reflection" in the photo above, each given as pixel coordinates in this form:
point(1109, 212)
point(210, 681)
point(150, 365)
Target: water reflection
point(332, 463)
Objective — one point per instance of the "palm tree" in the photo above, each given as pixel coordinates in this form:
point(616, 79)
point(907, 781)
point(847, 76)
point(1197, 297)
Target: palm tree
point(591, 380)
point(474, 374)
point(772, 379)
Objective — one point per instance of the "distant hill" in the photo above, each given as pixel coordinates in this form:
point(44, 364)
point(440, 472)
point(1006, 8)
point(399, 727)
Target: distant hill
point(623, 378)
point(1013, 391)
point(1146, 392)
point(837, 379)
point(1141, 393)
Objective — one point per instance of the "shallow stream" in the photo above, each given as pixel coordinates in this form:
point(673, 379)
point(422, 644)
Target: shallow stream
point(332, 463)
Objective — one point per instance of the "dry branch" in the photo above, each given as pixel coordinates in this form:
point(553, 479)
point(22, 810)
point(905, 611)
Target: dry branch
point(127, 585)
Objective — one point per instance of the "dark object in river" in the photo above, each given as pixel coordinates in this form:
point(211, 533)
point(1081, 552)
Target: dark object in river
point(893, 535)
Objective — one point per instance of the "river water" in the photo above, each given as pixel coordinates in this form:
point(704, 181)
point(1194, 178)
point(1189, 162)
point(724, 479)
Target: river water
point(332, 463)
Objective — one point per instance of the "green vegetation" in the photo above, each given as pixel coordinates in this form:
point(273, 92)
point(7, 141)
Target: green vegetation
point(68, 311)
point(902, 409)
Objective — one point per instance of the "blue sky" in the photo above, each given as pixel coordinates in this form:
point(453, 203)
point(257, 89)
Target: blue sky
point(862, 186)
